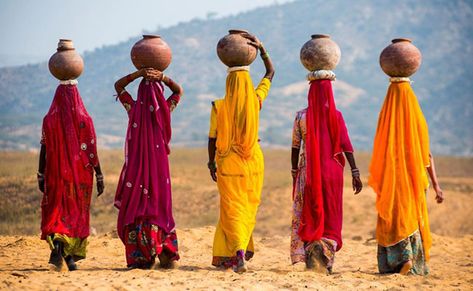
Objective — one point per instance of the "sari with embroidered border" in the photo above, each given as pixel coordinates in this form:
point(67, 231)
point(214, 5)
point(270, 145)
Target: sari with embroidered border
point(398, 173)
point(68, 134)
point(240, 165)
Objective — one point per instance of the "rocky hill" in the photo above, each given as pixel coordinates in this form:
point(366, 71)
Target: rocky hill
point(442, 30)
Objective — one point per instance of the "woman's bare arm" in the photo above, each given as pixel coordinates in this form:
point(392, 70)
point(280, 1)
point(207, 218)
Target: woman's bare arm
point(212, 148)
point(355, 173)
point(41, 167)
point(435, 182)
point(123, 82)
point(268, 64)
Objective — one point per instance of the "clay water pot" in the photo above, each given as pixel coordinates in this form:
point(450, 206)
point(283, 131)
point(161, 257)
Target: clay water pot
point(233, 49)
point(151, 52)
point(66, 63)
point(320, 53)
point(401, 58)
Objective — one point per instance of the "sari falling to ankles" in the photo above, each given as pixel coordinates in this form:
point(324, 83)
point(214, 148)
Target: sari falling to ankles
point(71, 154)
point(398, 176)
point(318, 206)
point(145, 221)
point(240, 165)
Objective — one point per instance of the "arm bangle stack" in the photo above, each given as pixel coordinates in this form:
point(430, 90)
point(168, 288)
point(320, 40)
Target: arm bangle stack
point(355, 172)
point(265, 56)
point(99, 177)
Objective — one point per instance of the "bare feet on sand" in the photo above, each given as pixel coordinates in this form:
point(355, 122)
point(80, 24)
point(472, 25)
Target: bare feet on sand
point(406, 268)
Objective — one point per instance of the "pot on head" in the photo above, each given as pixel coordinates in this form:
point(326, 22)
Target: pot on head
point(151, 52)
point(401, 58)
point(66, 63)
point(320, 53)
point(233, 49)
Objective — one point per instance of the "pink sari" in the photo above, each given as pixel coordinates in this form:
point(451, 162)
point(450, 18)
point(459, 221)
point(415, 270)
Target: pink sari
point(144, 189)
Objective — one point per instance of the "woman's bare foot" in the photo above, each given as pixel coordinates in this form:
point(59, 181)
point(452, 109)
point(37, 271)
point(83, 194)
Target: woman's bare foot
point(71, 264)
point(406, 268)
point(56, 261)
point(314, 261)
point(165, 260)
point(240, 267)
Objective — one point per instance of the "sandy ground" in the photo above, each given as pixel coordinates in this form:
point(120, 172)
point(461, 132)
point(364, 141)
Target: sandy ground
point(23, 263)
point(23, 258)
point(24, 266)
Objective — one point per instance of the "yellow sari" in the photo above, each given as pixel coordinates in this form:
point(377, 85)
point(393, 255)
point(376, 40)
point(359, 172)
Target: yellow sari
point(398, 173)
point(240, 163)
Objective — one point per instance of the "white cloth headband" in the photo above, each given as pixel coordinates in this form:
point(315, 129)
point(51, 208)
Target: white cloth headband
point(320, 75)
point(68, 82)
point(399, 79)
point(238, 68)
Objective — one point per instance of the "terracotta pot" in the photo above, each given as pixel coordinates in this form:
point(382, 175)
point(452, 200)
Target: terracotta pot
point(234, 50)
point(151, 52)
point(401, 58)
point(66, 63)
point(320, 53)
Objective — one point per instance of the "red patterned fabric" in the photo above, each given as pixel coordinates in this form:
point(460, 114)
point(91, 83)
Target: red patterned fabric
point(324, 166)
point(144, 241)
point(71, 154)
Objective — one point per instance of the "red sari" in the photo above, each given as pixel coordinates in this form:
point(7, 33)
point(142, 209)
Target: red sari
point(71, 154)
point(322, 211)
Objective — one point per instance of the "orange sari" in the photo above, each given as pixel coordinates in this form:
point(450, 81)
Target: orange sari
point(398, 168)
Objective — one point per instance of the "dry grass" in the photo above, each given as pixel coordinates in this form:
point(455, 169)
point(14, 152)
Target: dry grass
point(195, 196)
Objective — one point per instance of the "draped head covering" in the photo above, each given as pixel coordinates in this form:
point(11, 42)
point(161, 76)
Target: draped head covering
point(144, 188)
point(238, 117)
point(398, 168)
point(321, 117)
point(71, 153)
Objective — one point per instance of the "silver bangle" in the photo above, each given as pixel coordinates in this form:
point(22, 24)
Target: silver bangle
point(355, 172)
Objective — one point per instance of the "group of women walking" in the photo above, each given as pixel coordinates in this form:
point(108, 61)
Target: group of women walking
point(320, 144)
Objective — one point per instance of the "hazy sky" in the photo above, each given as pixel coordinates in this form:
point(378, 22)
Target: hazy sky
point(30, 29)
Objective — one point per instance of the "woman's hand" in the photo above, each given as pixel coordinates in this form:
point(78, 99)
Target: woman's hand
point(213, 174)
point(253, 40)
point(151, 74)
point(357, 184)
point(438, 194)
point(213, 170)
point(100, 184)
point(100, 187)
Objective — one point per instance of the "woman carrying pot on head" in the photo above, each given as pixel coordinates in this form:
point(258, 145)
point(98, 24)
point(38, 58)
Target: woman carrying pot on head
point(67, 162)
point(235, 158)
point(319, 141)
point(145, 220)
point(399, 168)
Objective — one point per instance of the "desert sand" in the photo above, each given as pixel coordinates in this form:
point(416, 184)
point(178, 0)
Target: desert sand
point(23, 256)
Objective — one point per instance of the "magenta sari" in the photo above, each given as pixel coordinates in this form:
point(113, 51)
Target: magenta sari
point(143, 194)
